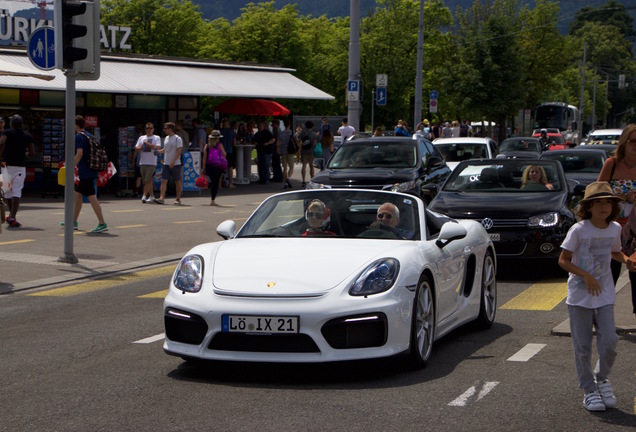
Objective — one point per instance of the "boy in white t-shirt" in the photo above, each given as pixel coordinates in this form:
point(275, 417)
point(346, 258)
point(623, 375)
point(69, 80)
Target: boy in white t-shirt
point(345, 130)
point(146, 147)
point(586, 253)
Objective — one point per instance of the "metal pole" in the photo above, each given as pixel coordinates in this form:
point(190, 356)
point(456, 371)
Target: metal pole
point(417, 115)
point(354, 109)
point(373, 96)
point(594, 102)
point(69, 156)
point(581, 102)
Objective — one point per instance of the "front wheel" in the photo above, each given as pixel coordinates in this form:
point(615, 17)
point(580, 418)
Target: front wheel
point(423, 324)
point(488, 303)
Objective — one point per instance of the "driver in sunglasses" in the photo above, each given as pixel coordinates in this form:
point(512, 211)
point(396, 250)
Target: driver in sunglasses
point(388, 218)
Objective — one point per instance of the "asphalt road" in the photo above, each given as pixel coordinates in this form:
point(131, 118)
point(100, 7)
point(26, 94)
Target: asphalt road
point(88, 355)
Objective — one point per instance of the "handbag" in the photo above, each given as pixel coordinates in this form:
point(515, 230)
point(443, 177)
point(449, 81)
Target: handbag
point(202, 182)
point(318, 150)
point(216, 159)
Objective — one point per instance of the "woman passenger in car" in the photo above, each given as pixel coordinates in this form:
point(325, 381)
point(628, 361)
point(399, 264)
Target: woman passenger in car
point(533, 175)
point(318, 217)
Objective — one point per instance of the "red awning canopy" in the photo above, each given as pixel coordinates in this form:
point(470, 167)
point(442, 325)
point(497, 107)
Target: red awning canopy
point(252, 107)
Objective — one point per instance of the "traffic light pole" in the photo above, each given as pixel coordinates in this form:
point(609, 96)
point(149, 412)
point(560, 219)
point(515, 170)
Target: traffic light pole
point(69, 179)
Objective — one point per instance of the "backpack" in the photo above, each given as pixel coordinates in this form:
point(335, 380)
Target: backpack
point(463, 130)
point(98, 159)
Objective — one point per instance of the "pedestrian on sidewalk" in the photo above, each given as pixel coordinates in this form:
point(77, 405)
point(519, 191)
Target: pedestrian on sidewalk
point(208, 168)
point(146, 147)
point(15, 143)
point(587, 250)
point(172, 148)
point(87, 176)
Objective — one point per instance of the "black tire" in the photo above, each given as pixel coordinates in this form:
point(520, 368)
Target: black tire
point(422, 324)
point(488, 293)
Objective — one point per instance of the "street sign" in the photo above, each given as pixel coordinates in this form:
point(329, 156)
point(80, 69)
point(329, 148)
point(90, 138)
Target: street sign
point(433, 94)
point(41, 48)
point(380, 97)
point(353, 91)
point(432, 106)
point(381, 80)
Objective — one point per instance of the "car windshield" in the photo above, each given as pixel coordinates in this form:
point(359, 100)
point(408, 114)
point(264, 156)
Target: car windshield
point(369, 155)
point(511, 145)
point(579, 162)
point(456, 152)
point(506, 175)
point(336, 214)
point(604, 137)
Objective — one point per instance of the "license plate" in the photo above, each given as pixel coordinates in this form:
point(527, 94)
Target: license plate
point(262, 324)
point(495, 236)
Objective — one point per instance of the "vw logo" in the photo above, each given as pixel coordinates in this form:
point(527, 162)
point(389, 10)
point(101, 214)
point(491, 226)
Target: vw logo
point(487, 223)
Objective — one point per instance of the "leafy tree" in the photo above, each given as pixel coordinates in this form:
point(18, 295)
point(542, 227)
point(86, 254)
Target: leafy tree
point(159, 27)
point(612, 13)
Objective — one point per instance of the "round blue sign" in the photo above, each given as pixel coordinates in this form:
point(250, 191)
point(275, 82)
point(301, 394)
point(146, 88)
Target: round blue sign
point(41, 48)
point(433, 94)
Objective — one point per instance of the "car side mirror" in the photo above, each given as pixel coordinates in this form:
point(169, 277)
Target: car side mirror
point(450, 231)
point(433, 162)
point(226, 229)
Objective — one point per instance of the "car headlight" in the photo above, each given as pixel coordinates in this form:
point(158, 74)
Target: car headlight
point(403, 187)
point(189, 274)
point(544, 220)
point(376, 278)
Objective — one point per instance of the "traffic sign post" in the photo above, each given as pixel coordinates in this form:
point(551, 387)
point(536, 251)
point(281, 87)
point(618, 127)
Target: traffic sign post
point(432, 106)
point(381, 80)
point(380, 98)
point(41, 48)
point(353, 91)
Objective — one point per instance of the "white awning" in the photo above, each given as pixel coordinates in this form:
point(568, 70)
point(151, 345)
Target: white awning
point(126, 75)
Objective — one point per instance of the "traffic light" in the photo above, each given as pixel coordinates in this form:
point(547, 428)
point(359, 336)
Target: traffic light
point(77, 37)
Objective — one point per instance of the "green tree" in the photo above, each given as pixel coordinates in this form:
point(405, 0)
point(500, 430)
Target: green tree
point(159, 27)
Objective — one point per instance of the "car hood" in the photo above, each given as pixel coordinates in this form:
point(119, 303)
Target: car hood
point(518, 155)
point(364, 177)
point(292, 266)
point(463, 205)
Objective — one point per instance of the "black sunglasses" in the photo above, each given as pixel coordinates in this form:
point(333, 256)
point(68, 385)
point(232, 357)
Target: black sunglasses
point(315, 214)
point(387, 216)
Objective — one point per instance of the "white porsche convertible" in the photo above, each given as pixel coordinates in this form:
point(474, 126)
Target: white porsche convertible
point(330, 275)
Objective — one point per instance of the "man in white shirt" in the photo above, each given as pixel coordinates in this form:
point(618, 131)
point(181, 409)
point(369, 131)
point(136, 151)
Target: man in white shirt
point(146, 147)
point(345, 130)
point(172, 148)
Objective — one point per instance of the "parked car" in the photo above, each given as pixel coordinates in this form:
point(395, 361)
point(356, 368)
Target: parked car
point(522, 222)
point(399, 164)
point(455, 150)
point(520, 147)
point(603, 136)
point(266, 295)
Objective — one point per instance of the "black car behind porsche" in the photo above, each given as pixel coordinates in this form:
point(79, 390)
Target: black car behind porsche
point(529, 221)
point(385, 163)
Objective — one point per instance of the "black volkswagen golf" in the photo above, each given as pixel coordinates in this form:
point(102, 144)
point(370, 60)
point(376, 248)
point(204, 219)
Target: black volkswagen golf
point(522, 203)
point(403, 164)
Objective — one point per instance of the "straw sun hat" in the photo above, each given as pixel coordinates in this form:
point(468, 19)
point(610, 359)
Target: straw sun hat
point(598, 190)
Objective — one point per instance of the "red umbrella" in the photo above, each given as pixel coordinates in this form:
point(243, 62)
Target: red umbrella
point(252, 107)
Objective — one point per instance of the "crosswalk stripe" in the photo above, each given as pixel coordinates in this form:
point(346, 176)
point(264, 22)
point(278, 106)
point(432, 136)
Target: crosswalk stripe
point(151, 339)
point(465, 397)
point(526, 353)
point(158, 294)
point(101, 284)
point(543, 296)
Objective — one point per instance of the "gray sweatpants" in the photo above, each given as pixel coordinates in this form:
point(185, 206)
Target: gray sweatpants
point(582, 323)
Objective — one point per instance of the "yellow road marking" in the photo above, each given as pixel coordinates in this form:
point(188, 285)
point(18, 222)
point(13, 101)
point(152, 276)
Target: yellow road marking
point(188, 222)
point(130, 226)
point(101, 284)
point(16, 242)
point(158, 294)
point(543, 296)
point(74, 233)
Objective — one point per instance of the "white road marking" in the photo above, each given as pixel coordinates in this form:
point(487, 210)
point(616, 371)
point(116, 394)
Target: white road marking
point(468, 394)
point(151, 339)
point(527, 352)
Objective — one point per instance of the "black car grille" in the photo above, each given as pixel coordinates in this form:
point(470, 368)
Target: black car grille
point(507, 223)
point(356, 331)
point(298, 343)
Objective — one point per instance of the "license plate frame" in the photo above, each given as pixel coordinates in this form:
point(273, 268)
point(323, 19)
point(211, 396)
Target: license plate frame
point(495, 236)
point(260, 324)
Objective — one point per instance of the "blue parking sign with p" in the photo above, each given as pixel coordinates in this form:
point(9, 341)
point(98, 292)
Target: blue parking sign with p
point(352, 86)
